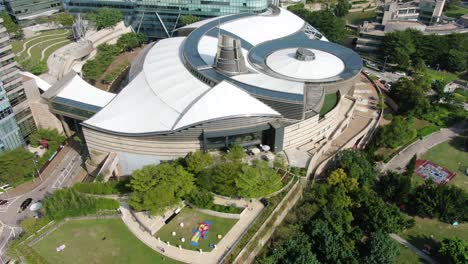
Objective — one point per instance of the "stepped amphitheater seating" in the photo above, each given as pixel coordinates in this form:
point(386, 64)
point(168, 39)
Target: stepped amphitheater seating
point(62, 60)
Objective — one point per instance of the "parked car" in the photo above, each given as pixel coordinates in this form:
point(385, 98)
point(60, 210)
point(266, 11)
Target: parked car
point(25, 204)
point(3, 202)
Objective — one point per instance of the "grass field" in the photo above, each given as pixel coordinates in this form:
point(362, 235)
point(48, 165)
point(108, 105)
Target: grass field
point(96, 241)
point(407, 256)
point(432, 231)
point(329, 103)
point(456, 12)
point(191, 219)
point(441, 75)
point(356, 18)
point(451, 156)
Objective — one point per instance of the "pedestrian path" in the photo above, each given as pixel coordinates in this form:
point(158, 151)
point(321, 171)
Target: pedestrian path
point(190, 256)
point(418, 252)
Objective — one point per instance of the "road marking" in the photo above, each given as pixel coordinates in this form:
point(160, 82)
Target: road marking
point(66, 172)
point(4, 209)
point(12, 234)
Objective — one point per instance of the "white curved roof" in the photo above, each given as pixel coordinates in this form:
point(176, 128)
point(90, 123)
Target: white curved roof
point(79, 90)
point(258, 29)
point(166, 96)
point(325, 65)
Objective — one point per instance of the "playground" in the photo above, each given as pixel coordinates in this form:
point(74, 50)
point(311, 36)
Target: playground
point(197, 231)
point(429, 170)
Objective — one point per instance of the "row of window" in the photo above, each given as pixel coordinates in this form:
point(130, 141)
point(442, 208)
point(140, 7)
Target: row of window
point(27, 127)
point(17, 98)
point(23, 113)
point(6, 112)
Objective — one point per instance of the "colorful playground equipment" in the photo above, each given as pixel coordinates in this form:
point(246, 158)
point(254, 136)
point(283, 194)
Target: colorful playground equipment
point(200, 232)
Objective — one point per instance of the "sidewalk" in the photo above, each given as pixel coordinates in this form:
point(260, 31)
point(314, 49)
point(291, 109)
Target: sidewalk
point(190, 256)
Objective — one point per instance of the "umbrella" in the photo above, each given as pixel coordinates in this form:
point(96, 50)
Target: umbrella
point(35, 206)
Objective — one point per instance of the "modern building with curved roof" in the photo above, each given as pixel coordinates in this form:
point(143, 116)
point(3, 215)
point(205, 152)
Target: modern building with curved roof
point(239, 79)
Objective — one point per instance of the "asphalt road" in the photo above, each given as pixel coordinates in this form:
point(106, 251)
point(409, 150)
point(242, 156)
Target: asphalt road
point(10, 214)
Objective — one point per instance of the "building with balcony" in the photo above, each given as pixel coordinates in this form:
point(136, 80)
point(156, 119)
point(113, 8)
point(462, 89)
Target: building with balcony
point(245, 79)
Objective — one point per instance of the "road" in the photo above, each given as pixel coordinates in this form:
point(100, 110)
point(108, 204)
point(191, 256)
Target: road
point(399, 162)
point(387, 76)
point(61, 176)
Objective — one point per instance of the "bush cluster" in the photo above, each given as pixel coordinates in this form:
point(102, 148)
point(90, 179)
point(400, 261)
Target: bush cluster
point(111, 187)
point(70, 203)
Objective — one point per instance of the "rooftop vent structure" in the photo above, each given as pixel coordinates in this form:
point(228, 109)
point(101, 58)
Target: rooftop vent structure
point(304, 54)
point(229, 58)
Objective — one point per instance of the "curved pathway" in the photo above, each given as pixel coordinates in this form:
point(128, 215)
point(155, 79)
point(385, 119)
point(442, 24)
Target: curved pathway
point(38, 37)
point(55, 44)
point(408, 245)
point(419, 147)
point(191, 256)
point(41, 42)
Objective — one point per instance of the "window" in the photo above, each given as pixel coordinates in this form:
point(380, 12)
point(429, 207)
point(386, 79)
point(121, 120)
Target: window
point(5, 112)
point(23, 113)
point(27, 127)
point(17, 97)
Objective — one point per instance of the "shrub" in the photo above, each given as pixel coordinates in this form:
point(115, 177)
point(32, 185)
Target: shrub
point(388, 116)
point(201, 198)
point(70, 203)
point(112, 187)
point(105, 17)
point(427, 130)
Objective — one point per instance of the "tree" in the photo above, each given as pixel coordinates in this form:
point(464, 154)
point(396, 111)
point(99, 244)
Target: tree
point(381, 102)
point(197, 161)
point(456, 60)
point(399, 46)
point(105, 17)
point(339, 178)
point(65, 19)
point(220, 179)
point(356, 165)
point(12, 28)
point(397, 133)
point(17, 165)
point(454, 250)
point(325, 21)
point(394, 187)
point(235, 154)
point(411, 166)
point(410, 97)
point(342, 8)
point(257, 180)
point(188, 19)
point(294, 250)
point(381, 249)
point(200, 198)
point(131, 40)
point(156, 187)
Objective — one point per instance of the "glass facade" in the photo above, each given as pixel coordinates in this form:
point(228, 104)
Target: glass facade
point(159, 18)
point(24, 8)
point(10, 137)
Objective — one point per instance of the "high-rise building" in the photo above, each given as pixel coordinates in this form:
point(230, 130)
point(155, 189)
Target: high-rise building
point(16, 120)
point(24, 10)
point(159, 18)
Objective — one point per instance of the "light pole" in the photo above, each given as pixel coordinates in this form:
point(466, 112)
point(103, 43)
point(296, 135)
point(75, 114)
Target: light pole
point(35, 166)
point(385, 63)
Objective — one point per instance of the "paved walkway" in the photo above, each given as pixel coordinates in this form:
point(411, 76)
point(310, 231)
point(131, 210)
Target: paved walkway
point(190, 256)
point(399, 162)
point(418, 252)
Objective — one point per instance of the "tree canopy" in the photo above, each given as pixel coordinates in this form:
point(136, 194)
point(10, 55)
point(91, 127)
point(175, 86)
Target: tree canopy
point(131, 40)
point(11, 26)
point(188, 19)
point(198, 161)
point(357, 165)
point(411, 47)
point(454, 250)
point(156, 187)
point(105, 17)
point(325, 21)
point(382, 249)
point(398, 132)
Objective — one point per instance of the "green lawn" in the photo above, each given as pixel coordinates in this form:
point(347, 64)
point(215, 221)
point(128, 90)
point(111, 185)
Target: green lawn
point(451, 156)
point(441, 75)
point(329, 103)
point(432, 231)
point(356, 18)
point(191, 219)
point(96, 241)
point(407, 256)
point(456, 12)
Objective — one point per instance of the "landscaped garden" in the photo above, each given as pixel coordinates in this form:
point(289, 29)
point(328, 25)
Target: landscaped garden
point(441, 75)
point(199, 230)
point(96, 241)
point(356, 18)
point(456, 11)
point(32, 53)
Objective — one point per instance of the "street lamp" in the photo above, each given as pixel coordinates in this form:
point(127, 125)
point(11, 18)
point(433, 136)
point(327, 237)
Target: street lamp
point(385, 63)
point(35, 166)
